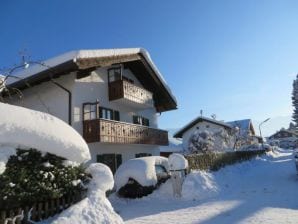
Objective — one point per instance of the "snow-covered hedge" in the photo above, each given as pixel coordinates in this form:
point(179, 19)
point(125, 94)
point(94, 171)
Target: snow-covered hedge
point(140, 169)
point(31, 177)
point(96, 208)
point(215, 161)
point(24, 128)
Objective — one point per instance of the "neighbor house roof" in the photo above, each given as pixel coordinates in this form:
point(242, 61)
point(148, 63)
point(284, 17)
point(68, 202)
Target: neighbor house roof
point(284, 130)
point(244, 125)
point(137, 59)
point(198, 120)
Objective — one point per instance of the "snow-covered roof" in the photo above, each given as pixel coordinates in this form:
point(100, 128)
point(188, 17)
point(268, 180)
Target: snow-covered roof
point(244, 125)
point(275, 135)
point(141, 169)
point(84, 59)
point(197, 120)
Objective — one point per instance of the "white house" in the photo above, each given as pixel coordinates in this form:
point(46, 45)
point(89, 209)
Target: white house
point(203, 124)
point(246, 131)
point(111, 97)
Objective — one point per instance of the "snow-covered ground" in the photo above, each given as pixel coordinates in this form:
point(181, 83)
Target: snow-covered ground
point(264, 190)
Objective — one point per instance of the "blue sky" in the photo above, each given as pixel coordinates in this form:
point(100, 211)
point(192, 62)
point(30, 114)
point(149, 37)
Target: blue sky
point(235, 59)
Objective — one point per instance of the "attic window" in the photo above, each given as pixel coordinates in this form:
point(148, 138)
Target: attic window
point(114, 74)
point(207, 126)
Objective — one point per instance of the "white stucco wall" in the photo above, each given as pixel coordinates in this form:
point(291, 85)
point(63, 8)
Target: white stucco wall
point(127, 151)
point(95, 87)
point(47, 97)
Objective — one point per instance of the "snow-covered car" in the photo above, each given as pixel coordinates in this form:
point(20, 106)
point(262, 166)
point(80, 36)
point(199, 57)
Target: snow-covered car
point(139, 177)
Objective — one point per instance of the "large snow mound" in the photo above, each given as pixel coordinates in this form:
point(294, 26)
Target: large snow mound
point(140, 169)
point(102, 177)
point(199, 185)
point(96, 208)
point(177, 162)
point(5, 153)
point(24, 128)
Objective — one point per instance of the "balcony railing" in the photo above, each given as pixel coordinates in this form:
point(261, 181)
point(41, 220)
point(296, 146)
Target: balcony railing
point(109, 131)
point(122, 89)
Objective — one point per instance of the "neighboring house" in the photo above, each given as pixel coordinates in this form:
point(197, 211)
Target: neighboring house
point(284, 138)
point(245, 129)
point(202, 124)
point(111, 97)
point(282, 134)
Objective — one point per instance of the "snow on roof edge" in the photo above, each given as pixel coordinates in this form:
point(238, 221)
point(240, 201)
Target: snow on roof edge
point(77, 54)
point(197, 119)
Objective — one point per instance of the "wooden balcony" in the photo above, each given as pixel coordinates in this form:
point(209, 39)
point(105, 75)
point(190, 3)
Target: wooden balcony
point(109, 131)
point(129, 93)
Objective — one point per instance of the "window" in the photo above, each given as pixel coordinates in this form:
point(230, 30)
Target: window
point(111, 160)
point(207, 126)
point(114, 74)
point(109, 114)
point(142, 155)
point(140, 120)
point(92, 111)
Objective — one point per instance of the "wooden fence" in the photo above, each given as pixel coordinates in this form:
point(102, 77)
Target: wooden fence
point(40, 211)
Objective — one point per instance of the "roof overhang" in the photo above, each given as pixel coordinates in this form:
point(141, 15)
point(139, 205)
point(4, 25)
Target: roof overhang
point(137, 59)
point(179, 134)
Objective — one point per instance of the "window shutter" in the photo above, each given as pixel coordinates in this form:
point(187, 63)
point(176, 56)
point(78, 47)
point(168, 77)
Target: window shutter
point(135, 119)
point(116, 115)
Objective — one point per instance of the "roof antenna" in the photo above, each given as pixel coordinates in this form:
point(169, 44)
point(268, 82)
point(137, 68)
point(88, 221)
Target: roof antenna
point(201, 112)
point(24, 55)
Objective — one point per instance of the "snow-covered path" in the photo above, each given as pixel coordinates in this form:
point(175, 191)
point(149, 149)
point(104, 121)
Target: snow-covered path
point(264, 190)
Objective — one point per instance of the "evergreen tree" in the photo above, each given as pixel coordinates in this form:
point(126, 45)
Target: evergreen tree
point(295, 102)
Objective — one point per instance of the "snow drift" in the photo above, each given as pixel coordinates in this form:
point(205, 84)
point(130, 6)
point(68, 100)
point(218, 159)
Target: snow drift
point(140, 169)
point(96, 208)
point(24, 128)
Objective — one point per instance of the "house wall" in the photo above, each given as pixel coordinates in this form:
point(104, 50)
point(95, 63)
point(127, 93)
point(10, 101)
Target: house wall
point(49, 98)
point(95, 87)
point(128, 151)
point(203, 126)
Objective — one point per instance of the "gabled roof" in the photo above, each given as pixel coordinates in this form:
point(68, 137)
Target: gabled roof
point(244, 125)
point(137, 59)
point(198, 120)
point(284, 130)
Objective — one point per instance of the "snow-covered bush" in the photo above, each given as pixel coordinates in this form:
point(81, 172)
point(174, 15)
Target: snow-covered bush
point(95, 208)
point(24, 128)
point(204, 141)
point(201, 141)
point(31, 177)
point(223, 140)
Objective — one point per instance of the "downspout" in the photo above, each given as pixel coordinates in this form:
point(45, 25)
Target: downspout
point(69, 99)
